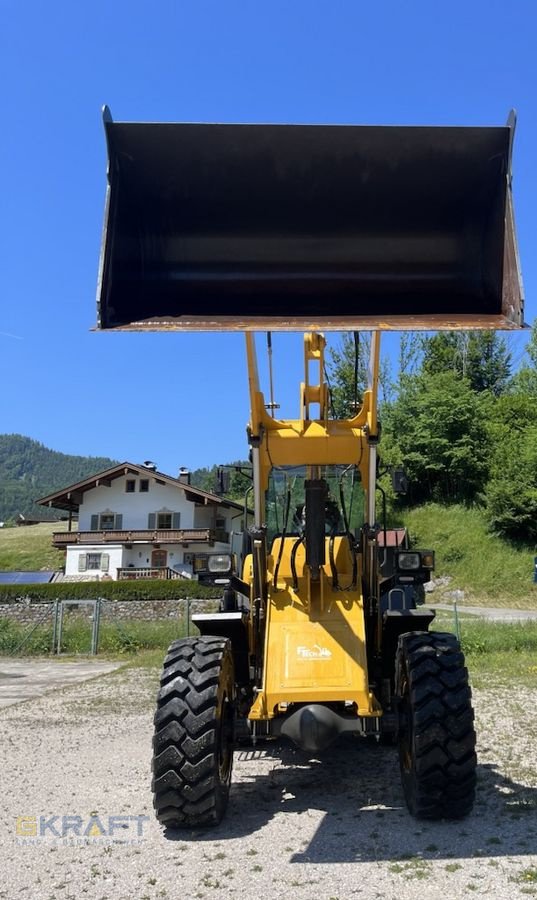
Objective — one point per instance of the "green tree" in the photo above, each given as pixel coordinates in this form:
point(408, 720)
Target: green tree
point(511, 493)
point(480, 356)
point(437, 429)
point(348, 374)
point(525, 380)
point(411, 345)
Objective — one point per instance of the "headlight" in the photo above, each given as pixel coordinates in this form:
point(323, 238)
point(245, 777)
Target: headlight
point(408, 561)
point(220, 562)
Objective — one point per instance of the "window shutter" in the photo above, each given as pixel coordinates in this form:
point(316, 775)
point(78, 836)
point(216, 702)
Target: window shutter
point(119, 521)
point(94, 523)
point(82, 562)
point(176, 520)
point(105, 562)
point(151, 521)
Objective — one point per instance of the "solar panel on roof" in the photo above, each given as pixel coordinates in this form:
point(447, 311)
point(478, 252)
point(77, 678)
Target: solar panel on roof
point(26, 577)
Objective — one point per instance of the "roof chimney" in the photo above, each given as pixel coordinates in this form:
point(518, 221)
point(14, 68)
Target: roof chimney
point(184, 475)
point(150, 465)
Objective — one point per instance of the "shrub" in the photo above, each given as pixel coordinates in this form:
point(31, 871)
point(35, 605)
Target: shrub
point(175, 589)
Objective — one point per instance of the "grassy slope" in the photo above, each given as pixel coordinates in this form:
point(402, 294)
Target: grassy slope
point(30, 548)
point(491, 571)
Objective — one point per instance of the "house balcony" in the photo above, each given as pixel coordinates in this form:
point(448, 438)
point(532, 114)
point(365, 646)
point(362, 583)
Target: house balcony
point(60, 539)
point(134, 574)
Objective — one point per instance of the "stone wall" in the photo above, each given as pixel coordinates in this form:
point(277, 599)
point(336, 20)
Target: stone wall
point(24, 612)
point(27, 612)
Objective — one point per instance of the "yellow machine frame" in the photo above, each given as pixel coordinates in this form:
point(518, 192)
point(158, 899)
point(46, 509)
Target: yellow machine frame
point(314, 637)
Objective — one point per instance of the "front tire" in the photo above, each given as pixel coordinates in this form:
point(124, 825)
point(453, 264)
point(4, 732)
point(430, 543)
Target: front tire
point(193, 737)
point(436, 731)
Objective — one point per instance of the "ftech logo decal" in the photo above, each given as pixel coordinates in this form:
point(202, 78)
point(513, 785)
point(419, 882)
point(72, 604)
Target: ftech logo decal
point(315, 652)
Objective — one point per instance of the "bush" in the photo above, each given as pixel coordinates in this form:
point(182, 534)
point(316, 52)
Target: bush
point(174, 589)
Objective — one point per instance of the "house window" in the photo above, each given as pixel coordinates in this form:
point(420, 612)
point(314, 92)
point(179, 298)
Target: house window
point(107, 521)
point(220, 523)
point(93, 561)
point(130, 485)
point(164, 521)
point(144, 485)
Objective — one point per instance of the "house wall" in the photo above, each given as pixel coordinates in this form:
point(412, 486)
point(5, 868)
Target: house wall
point(138, 556)
point(135, 507)
point(115, 559)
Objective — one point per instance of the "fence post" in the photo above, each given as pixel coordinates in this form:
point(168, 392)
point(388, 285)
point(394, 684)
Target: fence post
point(456, 619)
point(59, 629)
point(188, 616)
point(96, 624)
point(55, 625)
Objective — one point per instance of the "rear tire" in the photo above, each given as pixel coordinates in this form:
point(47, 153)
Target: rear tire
point(193, 738)
point(436, 731)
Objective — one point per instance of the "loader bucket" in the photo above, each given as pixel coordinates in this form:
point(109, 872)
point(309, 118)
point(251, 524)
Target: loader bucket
point(298, 227)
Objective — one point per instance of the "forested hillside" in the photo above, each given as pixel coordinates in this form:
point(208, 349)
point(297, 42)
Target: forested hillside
point(29, 470)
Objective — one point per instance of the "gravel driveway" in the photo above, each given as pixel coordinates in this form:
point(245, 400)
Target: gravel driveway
point(333, 827)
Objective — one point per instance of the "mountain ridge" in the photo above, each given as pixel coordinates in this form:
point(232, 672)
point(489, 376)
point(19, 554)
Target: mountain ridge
point(29, 470)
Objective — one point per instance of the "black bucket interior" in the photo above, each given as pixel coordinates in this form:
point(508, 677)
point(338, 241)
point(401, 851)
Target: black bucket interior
point(245, 226)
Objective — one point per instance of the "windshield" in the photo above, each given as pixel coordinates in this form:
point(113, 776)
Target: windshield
point(285, 504)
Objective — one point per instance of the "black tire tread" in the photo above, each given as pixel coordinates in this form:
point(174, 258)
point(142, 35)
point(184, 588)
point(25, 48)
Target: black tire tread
point(440, 782)
point(186, 787)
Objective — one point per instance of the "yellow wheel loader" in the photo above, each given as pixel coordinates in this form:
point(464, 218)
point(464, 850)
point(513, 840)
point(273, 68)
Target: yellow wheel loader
point(315, 229)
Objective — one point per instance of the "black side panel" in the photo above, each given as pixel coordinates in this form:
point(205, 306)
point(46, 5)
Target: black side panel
point(233, 626)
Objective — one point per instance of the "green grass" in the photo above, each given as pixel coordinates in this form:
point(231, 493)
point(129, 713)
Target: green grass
point(127, 639)
point(30, 547)
point(502, 668)
point(496, 652)
point(491, 571)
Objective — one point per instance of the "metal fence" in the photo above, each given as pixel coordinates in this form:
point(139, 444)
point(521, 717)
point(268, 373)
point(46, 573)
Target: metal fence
point(52, 623)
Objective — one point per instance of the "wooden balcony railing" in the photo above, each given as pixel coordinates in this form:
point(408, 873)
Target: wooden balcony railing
point(162, 572)
point(125, 536)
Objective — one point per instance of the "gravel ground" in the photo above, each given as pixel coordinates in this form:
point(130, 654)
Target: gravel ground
point(333, 827)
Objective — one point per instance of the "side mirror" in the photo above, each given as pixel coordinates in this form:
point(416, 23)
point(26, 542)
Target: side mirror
point(399, 481)
point(221, 481)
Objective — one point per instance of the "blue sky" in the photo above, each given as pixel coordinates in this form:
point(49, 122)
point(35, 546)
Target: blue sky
point(175, 398)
